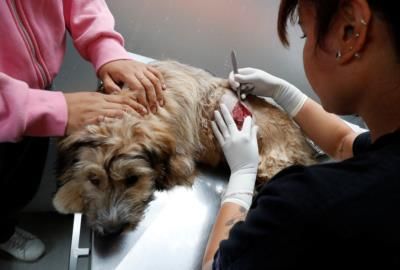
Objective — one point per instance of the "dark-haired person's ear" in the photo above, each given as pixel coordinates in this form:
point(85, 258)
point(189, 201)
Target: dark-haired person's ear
point(353, 23)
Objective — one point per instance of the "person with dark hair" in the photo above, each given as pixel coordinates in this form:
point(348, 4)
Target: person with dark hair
point(341, 214)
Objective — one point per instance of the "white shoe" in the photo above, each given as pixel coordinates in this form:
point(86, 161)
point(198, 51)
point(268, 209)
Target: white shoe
point(23, 246)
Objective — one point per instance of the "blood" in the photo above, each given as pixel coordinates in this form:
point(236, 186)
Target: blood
point(239, 113)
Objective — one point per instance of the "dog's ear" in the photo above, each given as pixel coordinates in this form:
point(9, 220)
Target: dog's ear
point(181, 170)
point(68, 147)
point(68, 198)
point(172, 166)
point(171, 169)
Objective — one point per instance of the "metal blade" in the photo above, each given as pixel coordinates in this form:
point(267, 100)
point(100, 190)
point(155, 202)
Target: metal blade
point(234, 62)
point(235, 70)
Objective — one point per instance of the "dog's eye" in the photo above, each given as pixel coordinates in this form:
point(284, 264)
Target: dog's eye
point(94, 179)
point(131, 180)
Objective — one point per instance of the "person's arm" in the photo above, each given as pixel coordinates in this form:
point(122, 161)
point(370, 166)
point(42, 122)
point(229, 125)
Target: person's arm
point(229, 214)
point(241, 152)
point(91, 26)
point(26, 111)
point(328, 131)
point(29, 112)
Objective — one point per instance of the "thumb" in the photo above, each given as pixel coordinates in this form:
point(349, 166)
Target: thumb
point(247, 71)
point(246, 128)
point(254, 131)
point(109, 85)
point(233, 83)
point(244, 78)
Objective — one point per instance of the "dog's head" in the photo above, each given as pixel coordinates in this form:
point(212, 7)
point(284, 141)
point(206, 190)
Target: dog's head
point(110, 171)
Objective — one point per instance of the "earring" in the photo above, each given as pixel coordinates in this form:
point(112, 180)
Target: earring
point(338, 54)
point(357, 55)
point(357, 35)
point(363, 22)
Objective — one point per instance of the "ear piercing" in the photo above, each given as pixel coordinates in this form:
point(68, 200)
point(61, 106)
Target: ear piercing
point(356, 35)
point(338, 54)
point(357, 55)
point(363, 22)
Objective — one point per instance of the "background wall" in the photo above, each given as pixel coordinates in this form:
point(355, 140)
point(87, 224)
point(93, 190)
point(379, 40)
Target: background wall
point(199, 33)
point(202, 33)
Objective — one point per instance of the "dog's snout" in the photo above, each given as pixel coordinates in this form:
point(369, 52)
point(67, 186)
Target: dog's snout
point(114, 229)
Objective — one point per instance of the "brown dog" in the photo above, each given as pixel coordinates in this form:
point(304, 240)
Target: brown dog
point(110, 171)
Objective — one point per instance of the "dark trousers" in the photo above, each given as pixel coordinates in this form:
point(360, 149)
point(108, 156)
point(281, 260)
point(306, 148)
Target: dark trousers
point(21, 168)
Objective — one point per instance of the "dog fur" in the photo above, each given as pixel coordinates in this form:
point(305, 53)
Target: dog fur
point(110, 171)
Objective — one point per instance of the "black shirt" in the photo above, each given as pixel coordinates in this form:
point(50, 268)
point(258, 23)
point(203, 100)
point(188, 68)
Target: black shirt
point(343, 215)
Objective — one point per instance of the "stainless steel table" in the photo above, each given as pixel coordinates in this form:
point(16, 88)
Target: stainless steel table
point(173, 234)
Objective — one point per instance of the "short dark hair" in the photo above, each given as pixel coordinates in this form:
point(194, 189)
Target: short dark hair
point(326, 11)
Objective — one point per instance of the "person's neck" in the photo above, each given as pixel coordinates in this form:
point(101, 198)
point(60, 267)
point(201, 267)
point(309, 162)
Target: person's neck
point(381, 112)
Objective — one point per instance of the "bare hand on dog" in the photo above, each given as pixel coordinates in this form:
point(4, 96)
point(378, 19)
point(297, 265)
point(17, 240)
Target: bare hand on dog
point(139, 77)
point(86, 108)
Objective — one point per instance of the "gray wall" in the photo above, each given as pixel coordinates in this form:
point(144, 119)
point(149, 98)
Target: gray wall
point(202, 33)
point(199, 33)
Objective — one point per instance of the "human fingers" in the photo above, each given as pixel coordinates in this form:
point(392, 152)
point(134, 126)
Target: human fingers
point(254, 131)
point(127, 98)
point(246, 88)
point(246, 71)
point(150, 92)
point(233, 83)
point(217, 133)
point(221, 124)
point(158, 74)
point(130, 99)
point(126, 102)
point(244, 78)
point(136, 86)
point(157, 86)
point(109, 85)
point(230, 123)
point(246, 128)
point(104, 116)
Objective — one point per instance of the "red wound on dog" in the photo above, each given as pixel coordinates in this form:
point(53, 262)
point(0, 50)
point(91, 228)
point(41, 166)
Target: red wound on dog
point(239, 113)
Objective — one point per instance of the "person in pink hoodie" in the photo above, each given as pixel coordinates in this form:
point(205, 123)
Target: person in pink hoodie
point(33, 35)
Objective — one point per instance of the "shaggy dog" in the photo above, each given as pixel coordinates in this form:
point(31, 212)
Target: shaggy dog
point(110, 171)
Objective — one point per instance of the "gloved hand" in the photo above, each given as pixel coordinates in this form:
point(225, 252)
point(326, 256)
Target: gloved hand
point(285, 94)
point(241, 152)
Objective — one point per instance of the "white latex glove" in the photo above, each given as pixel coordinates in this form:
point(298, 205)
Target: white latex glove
point(285, 94)
point(241, 152)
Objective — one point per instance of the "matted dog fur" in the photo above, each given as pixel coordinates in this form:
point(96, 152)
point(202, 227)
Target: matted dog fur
point(110, 171)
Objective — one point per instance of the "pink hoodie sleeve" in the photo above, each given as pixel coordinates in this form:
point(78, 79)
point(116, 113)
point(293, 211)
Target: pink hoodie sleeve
point(91, 26)
point(29, 112)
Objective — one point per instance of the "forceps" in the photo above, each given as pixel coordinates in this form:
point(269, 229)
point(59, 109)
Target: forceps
point(244, 88)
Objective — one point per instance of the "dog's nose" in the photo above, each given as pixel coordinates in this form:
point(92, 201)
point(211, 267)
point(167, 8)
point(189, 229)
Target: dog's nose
point(114, 229)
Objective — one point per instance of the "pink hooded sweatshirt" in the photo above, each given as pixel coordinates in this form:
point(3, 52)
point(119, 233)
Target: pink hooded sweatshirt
point(32, 47)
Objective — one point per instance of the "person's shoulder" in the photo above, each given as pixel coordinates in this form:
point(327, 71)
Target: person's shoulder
point(297, 187)
point(316, 186)
point(385, 146)
point(299, 175)
point(362, 142)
